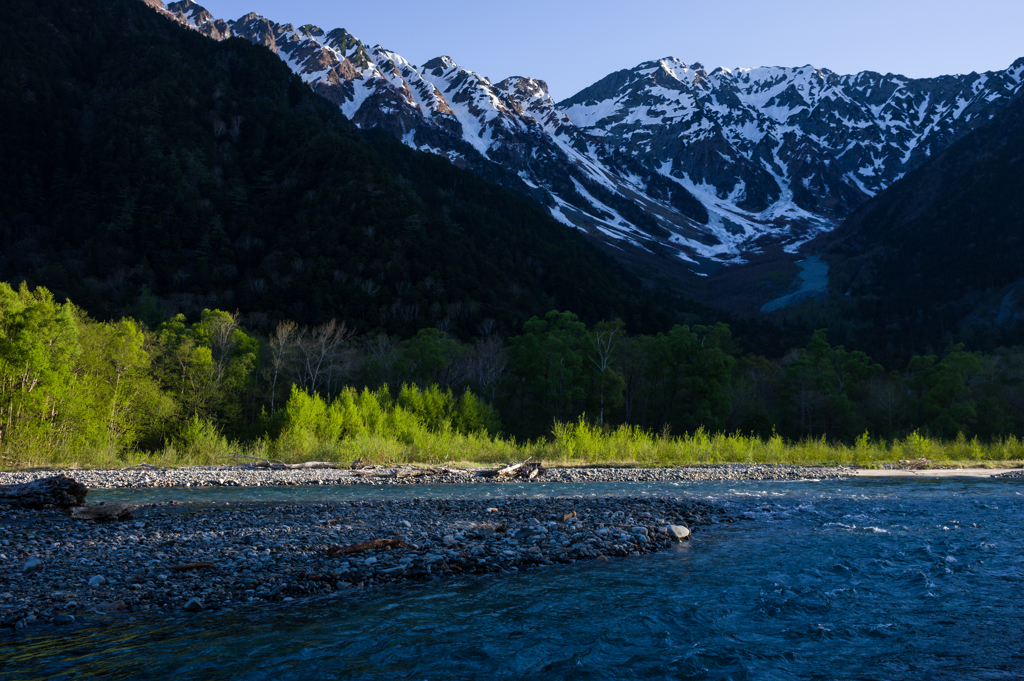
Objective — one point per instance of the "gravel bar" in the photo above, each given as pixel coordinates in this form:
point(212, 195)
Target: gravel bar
point(176, 559)
point(243, 476)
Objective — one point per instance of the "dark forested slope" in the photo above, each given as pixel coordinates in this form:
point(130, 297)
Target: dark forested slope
point(924, 256)
point(149, 170)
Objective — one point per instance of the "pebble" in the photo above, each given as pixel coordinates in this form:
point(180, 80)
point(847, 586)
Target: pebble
point(98, 580)
point(32, 565)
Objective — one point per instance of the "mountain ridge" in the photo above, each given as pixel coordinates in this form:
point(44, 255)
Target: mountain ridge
point(664, 158)
point(148, 171)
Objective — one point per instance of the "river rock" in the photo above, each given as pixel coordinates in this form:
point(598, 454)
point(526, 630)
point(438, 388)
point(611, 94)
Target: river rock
point(32, 565)
point(193, 605)
point(101, 512)
point(677, 532)
point(98, 580)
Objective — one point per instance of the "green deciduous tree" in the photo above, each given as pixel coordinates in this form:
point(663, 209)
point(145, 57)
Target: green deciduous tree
point(689, 372)
point(547, 371)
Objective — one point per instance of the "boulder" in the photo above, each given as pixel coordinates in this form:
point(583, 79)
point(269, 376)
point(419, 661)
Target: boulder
point(677, 532)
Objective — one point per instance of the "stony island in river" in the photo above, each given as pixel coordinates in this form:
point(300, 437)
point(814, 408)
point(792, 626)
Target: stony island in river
point(180, 558)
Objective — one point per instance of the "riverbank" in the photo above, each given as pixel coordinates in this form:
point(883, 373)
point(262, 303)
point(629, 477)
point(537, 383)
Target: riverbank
point(246, 476)
point(174, 558)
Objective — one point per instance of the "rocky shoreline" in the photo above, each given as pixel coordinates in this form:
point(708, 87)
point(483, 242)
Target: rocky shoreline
point(246, 476)
point(180, 559)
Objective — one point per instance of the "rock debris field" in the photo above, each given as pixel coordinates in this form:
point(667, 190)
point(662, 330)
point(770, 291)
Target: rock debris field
point(173, 558)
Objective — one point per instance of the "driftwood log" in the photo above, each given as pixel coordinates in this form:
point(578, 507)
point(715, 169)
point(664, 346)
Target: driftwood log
point(200, 565)
point(102, 512)
point(59, 490)
point(146, 466)
point(277, 464)
point(336, 551)
point(523, 469)
point(356, 468)
point(410, 472)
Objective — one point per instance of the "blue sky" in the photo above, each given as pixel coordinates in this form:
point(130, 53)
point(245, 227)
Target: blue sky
point(572, 44)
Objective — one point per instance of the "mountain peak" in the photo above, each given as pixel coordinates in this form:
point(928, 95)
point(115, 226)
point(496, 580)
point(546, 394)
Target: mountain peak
point(311, 31)
point(530, 87)
point(440, 64)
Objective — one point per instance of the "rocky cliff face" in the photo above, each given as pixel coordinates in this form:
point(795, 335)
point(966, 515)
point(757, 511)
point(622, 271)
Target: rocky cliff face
point(665, 157)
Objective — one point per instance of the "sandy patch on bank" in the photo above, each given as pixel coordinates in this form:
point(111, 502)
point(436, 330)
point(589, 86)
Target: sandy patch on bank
point(932, 473)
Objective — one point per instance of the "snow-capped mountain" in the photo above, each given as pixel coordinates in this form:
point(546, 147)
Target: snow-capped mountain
point(667, 157)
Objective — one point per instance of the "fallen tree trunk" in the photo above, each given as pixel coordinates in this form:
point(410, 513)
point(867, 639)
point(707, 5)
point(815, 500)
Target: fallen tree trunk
point(103, 512)
point(59, 490)
point(336, 551)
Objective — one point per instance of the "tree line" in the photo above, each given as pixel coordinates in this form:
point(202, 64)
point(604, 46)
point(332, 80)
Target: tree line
point(68, 381)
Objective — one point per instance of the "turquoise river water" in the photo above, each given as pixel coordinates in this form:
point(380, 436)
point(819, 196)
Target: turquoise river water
point(866, 579)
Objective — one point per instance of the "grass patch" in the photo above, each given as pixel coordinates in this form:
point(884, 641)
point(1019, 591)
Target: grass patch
point(571, 444)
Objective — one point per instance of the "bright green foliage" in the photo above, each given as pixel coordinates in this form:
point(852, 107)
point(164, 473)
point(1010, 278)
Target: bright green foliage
point(439, 411)
point(313, 424)
point(39, 345)
point(208, 366)
point(116, 367)
point(201, 440)
point(186, 367)
point(67, 382)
